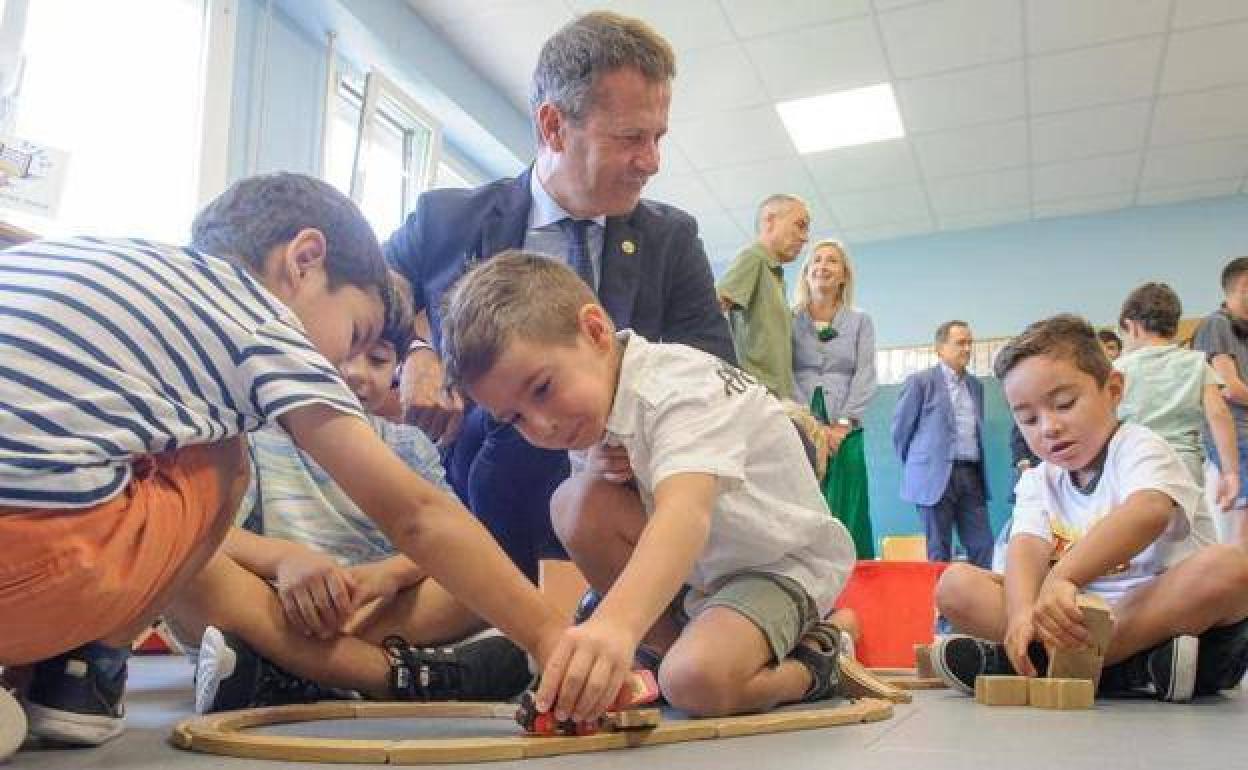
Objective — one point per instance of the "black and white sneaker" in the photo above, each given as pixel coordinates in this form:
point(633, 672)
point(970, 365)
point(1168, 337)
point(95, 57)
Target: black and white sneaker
point(960, 659)
point(1167, 672)
point(12, 724)
point(1223, 658)
point(72, 700)
point(231, 675)
point(485, 668)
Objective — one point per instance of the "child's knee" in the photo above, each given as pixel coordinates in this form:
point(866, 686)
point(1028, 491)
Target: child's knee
point(955, 590)
point(585, 513)
point(697, 689)
point(1223, 570)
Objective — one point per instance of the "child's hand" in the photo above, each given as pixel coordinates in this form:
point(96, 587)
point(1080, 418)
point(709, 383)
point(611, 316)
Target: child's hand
point(609, 463)
point(584, 674)
point(373, 581)
point(1020, 632)
point(316, 593)
point(1228, 490)
point(1057, 616)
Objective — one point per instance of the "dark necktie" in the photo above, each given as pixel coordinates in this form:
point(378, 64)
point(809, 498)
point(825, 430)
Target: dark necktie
point(576, 231)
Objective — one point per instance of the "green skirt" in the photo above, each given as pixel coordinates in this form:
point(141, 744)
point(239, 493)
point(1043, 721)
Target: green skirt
point(845, 484)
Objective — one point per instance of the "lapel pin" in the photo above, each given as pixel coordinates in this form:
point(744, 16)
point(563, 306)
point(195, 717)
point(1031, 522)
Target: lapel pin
point(628, 247)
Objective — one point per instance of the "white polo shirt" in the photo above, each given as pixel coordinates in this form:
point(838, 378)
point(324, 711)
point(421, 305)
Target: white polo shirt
point(680, 410)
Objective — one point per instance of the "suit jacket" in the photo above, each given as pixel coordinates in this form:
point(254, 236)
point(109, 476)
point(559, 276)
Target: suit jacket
point(924, 434)
point(655, 276)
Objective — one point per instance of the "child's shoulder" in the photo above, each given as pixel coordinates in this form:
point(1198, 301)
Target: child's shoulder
point(663, 371)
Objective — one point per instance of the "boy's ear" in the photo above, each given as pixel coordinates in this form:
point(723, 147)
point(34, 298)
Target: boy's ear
point(596, 325)
point(290, 264)
point(1115, 385)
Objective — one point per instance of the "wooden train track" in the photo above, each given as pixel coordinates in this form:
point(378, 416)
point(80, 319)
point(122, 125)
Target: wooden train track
point(908, 679)
point(226, 734)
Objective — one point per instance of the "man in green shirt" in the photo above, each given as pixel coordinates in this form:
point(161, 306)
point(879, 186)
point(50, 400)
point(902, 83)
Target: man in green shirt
point(752, 292)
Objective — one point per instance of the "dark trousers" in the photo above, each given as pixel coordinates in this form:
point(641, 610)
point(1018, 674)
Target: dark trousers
point(963, 505)
point(507, 483)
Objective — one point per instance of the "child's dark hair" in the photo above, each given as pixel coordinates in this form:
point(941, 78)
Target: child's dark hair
point(258, 213)
point(399, 327)
point(1107, 336)
point(1155, 306)
point(1063, 336)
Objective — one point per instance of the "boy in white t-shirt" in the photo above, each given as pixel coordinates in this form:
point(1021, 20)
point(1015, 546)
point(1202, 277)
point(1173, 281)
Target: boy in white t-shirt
point(721, 555)
point(1109, 511)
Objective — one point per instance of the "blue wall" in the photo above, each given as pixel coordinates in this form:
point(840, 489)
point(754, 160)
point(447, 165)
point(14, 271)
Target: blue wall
point(1001, 278)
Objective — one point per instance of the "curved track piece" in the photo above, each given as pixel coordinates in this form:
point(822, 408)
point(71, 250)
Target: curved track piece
point(857, 681)
point(224, 733)
point(908, 679)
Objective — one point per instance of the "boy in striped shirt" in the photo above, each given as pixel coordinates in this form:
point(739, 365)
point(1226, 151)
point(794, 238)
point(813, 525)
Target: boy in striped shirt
point(129, 372)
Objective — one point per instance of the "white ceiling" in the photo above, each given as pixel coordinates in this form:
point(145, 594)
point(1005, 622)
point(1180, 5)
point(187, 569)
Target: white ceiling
point(1013, 109)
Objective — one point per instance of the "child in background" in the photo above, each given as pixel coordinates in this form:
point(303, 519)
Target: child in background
point(129, 371)
point(328, 562)
point(1174, 391)
point(1109, 510)
point(723, 554)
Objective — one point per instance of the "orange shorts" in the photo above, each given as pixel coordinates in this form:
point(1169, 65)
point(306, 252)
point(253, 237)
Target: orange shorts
point(69, 576)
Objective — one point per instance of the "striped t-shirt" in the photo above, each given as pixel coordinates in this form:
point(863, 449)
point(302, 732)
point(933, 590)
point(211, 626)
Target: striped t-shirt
point(113, 349)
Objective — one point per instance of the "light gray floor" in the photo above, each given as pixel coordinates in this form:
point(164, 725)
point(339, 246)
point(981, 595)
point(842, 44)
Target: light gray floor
point(939, 731)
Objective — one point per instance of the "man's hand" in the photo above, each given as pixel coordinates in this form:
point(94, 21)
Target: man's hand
point(609, 463)
point(316, 593)
point(835, 434)
point(1057, 616)
point(1020, 632)
point(1228, 490)
point(425, 402)
point(583, 676)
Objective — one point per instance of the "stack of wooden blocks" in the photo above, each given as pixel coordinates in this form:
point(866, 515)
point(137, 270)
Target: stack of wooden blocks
point(1072, 675)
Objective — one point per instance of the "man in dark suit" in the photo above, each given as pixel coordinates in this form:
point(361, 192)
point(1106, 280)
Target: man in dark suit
point(938, 434)
point(600, 99)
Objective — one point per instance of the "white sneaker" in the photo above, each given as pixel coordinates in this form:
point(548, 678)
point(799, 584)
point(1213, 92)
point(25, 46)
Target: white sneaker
point(12, 725)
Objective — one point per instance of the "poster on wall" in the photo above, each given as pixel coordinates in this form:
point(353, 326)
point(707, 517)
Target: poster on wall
point(32, 176)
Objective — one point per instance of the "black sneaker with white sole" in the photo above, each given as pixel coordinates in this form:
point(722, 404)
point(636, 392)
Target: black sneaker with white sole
point(961, 659)
point(1167, 672)
point(1223, 658)
point(12, 724)
point(75, 698)
point(231, 675)
point(486, 668)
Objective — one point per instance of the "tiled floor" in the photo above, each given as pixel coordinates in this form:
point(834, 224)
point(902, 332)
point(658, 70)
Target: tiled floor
point(939, 731)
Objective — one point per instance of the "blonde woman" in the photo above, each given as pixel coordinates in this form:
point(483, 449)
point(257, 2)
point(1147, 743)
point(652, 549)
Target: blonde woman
point(834, 373)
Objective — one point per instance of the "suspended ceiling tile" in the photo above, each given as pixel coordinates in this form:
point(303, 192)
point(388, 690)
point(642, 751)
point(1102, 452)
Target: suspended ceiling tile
point(980, 192)
point(1082, 178)
point(1087, 77)
point(1188, 192)
point(746, 185)
point(1085, 205)
point(714, 80)
point(933, 37)
point(688, 24)
point(1192, 163)
point(819, 60)
point(973, 149)
point(978, 95)
point(873, 208)
point(751, 18)
point(1085, 133)
point(869, 166)
point(1054, 25)
point(740, 136)
point(1183, 118)
point(1206, 58)
point(1193, 13)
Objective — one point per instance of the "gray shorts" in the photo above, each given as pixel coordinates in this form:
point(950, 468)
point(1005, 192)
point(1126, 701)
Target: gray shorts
point(776, 604)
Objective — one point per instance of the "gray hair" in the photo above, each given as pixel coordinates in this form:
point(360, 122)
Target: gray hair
point(774, 204)
point(585, 49)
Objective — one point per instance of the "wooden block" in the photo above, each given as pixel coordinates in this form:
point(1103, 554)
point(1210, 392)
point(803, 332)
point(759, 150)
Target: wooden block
point(1062, 694)
point(632, 719)
point(923, 662)
point(1087, 662)
point(1001, 690)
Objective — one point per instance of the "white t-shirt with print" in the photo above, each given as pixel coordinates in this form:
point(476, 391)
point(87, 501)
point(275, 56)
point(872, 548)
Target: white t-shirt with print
point(680, 410)
point(1050, 506)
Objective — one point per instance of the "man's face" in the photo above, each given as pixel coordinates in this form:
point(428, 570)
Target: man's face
point(787, 230)
point(1237, 297)
point(602, 163)
point(955, 351)
point(1065, 416)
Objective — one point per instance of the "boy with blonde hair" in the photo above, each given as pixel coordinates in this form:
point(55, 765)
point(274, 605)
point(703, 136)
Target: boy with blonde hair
point(1109, 510)
point(721, 556)
point(129, 371)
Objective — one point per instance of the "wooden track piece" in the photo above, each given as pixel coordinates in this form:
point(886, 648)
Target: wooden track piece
point(908, 679)
point(633, 719)
point(219, 733)
point(1062, 694)
point(923, 662)
point(858, 682)
point(1001, 690)
point(1087, 662)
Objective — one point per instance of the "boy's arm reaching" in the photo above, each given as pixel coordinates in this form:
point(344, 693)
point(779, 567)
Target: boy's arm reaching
point(1115, 540)
point(596, 655)
point(426, 524)
point(1027, 562)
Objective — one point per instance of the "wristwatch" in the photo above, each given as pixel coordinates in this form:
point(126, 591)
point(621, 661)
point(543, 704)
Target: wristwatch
point(847, 422)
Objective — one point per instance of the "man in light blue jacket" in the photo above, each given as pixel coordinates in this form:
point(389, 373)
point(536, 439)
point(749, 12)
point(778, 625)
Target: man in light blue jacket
point(938, 434)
